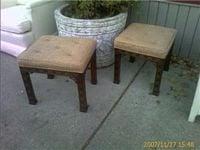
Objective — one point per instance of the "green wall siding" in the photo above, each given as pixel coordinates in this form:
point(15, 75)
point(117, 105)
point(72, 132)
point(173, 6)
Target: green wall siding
point(184, 17)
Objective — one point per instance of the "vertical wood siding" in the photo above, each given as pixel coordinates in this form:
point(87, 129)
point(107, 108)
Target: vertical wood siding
point(184, 17)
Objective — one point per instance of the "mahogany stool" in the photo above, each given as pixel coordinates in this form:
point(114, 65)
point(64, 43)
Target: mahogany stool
point(53, 55)
point(155, 43)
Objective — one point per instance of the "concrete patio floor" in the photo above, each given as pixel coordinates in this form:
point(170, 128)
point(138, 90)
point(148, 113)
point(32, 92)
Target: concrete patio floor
point(120, 117)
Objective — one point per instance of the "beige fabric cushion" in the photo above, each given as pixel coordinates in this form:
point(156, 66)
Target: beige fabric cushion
point(59, 53)
point(149, 40)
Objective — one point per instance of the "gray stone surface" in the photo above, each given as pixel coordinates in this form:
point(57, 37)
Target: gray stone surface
point(141, 117)
point(55, 123)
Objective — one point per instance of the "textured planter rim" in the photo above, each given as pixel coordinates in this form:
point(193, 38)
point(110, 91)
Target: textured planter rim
point(100, 20)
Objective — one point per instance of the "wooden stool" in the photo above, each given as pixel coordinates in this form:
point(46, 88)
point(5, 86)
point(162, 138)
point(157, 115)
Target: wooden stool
point(59, 56)
point(150, 41)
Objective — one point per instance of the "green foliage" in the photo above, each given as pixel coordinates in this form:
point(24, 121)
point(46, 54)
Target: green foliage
point(94, 9)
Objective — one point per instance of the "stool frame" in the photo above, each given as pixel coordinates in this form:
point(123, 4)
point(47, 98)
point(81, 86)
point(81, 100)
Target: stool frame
point(161, 64)
point(78, 78)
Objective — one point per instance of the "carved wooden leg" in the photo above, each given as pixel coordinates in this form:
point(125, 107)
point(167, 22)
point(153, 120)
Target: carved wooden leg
point(93, 69)
point(82, 92)
point(28, 86)
point(50, 76)
point(167, 62)
point(117, 66)
point(168, 59)
point(157, 82)
point(132, 59)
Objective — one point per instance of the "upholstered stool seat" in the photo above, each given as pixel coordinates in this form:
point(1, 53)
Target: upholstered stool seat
point(150, 41)
point(59, 55)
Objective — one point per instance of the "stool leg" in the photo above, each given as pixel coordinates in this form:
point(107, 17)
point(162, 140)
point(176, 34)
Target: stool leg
point(158, 77)
point(28, 86)
point(82, 93)
point(167, 63)
point(132, 59)
point(117, 66)
point(168, 59)
point(93, 69)
point(50, 76)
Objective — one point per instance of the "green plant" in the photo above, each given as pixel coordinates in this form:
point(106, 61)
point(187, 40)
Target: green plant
point(94, 9)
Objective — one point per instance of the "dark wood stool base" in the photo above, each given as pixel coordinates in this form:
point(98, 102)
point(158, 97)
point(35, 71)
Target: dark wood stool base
point(28, 86)
point(79, 79)
point(161, 64)
point(93, 69)
point(132, 59)
point(50, 76)
point(117, 66)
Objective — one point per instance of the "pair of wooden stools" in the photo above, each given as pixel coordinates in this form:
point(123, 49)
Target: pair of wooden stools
point(70, 56)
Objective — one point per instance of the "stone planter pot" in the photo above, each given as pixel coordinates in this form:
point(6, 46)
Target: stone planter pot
point(103, 30)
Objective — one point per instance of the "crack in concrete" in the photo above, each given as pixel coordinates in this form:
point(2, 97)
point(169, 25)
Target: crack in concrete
point(112, 108)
